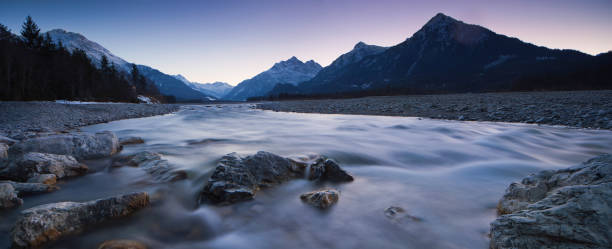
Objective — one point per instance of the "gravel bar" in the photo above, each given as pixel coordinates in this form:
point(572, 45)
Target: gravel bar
point(585, 109)
point(18, 119)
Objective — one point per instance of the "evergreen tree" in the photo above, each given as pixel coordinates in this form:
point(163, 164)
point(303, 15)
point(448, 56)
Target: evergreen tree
point(5, 33)
point(104, 66)
point(31, 33)
point(48, 43)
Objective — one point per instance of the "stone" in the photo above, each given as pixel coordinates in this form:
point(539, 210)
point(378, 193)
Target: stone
point(32, 164)
point(8, 196)
point(238, 178)
point(24, 189)
point(398, 214)
point(321, 198)
point(130, 140)
point(7, 141)
point(328, 170)
point(122, 244)
point(153, 164)
point(48, 179)
point(564, 209)
point(78, 145)
point(4, 150)
point(40, 225)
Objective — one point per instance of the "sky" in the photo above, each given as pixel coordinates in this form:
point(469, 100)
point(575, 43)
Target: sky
point(233, 40)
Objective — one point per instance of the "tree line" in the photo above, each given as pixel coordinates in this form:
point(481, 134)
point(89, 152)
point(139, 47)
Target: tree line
point(33, 67)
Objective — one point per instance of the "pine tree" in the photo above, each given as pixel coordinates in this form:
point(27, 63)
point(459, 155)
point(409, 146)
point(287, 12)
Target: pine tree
point(104, 66)
point(48, 43)
point(31, 33)
point(5, 33)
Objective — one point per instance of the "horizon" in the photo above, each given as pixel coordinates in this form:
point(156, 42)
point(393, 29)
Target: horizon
point(253, 36)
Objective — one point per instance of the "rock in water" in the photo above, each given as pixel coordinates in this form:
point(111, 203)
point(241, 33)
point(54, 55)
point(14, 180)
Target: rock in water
point(8, 196)
point(321, 198)
point(565, 209)
point(6, 140)
point(153, 164)
point(238, 178)
point(78, 145)
point(32, 164)
point(24, 189)
point(49, 179)
point(122, 244)
point(3, 150)
point(328, 170)
point(46, 223)
point(130, 140)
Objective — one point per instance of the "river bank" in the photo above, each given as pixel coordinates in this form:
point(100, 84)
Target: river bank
point(585, 109)
point(18, 119)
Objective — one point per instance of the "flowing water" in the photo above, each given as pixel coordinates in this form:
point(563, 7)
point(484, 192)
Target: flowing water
point(447, 174)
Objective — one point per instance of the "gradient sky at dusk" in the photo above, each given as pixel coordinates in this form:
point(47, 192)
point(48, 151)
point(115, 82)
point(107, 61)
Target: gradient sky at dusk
point(232, 40)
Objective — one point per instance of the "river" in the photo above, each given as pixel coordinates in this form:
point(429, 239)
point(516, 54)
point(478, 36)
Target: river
point(447, 174)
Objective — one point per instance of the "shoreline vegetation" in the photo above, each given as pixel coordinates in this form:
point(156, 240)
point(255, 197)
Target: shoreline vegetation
point(583, 109)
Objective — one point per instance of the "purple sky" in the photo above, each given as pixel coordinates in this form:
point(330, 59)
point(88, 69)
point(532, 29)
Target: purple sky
point(232, 40)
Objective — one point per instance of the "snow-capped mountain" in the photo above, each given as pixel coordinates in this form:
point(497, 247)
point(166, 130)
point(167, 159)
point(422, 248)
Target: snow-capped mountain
point(71, 40)
point(168, 85)
point(360, 50)
point(291, 71)
point(215, 89)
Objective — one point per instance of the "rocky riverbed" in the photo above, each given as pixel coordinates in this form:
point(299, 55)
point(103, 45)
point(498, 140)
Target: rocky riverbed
point(21, 119)
point(586, 109)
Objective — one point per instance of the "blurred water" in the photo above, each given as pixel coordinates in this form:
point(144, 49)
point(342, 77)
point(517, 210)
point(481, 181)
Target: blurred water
point(449, 174)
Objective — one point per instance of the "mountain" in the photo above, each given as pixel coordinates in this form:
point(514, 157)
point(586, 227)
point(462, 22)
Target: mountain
point(215, 89)
point(291, 71)
point(168, 85)
point(359, 51)
point(447, 55)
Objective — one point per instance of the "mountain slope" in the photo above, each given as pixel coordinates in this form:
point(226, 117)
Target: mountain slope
point(215, 89)
point(291, 71)
point(446, 55)
point(168, 85)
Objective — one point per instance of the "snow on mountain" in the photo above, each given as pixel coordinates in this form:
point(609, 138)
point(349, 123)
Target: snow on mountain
point(360, 50)
point(292, 71)
point(215, 89)
point(168, 85)
point(71, 41)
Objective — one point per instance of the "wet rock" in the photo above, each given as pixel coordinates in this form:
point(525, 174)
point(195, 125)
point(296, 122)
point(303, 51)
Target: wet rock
point(8, 196)
point(130, 140)
point(42, 224)
point(153, 164)
point(398, 214)
point(7, 141)
point(122, 244)
point(238, 178)
point(3, 150)
point(78, 145)
point(49, 179)
point(32, 164)
point(328, 170)
point(25, 189)
point(568, 208)
point(321, 198)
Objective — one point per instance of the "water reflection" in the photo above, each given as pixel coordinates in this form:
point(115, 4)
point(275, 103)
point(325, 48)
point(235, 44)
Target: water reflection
point(448, 174)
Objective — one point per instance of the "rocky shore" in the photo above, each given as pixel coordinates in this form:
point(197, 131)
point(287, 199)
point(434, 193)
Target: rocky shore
point(21, 119)
point(586, 109)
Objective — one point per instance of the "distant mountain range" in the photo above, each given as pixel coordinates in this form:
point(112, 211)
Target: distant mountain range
point(167, 84)
point(291, 71)
point(215, 89)
point(447, 55)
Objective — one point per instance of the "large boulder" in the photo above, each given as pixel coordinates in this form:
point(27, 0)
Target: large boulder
point(321, 198)
point(8, 196)
point(564, 209)
point(153, 164)
point(328, 170)
point(50, 222)
point(78, 145)
point(238, 178)
point(33, 164)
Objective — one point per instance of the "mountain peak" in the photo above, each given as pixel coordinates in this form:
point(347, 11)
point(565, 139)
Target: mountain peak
point(360, 45)
point(440, 20)
point(294, 59)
